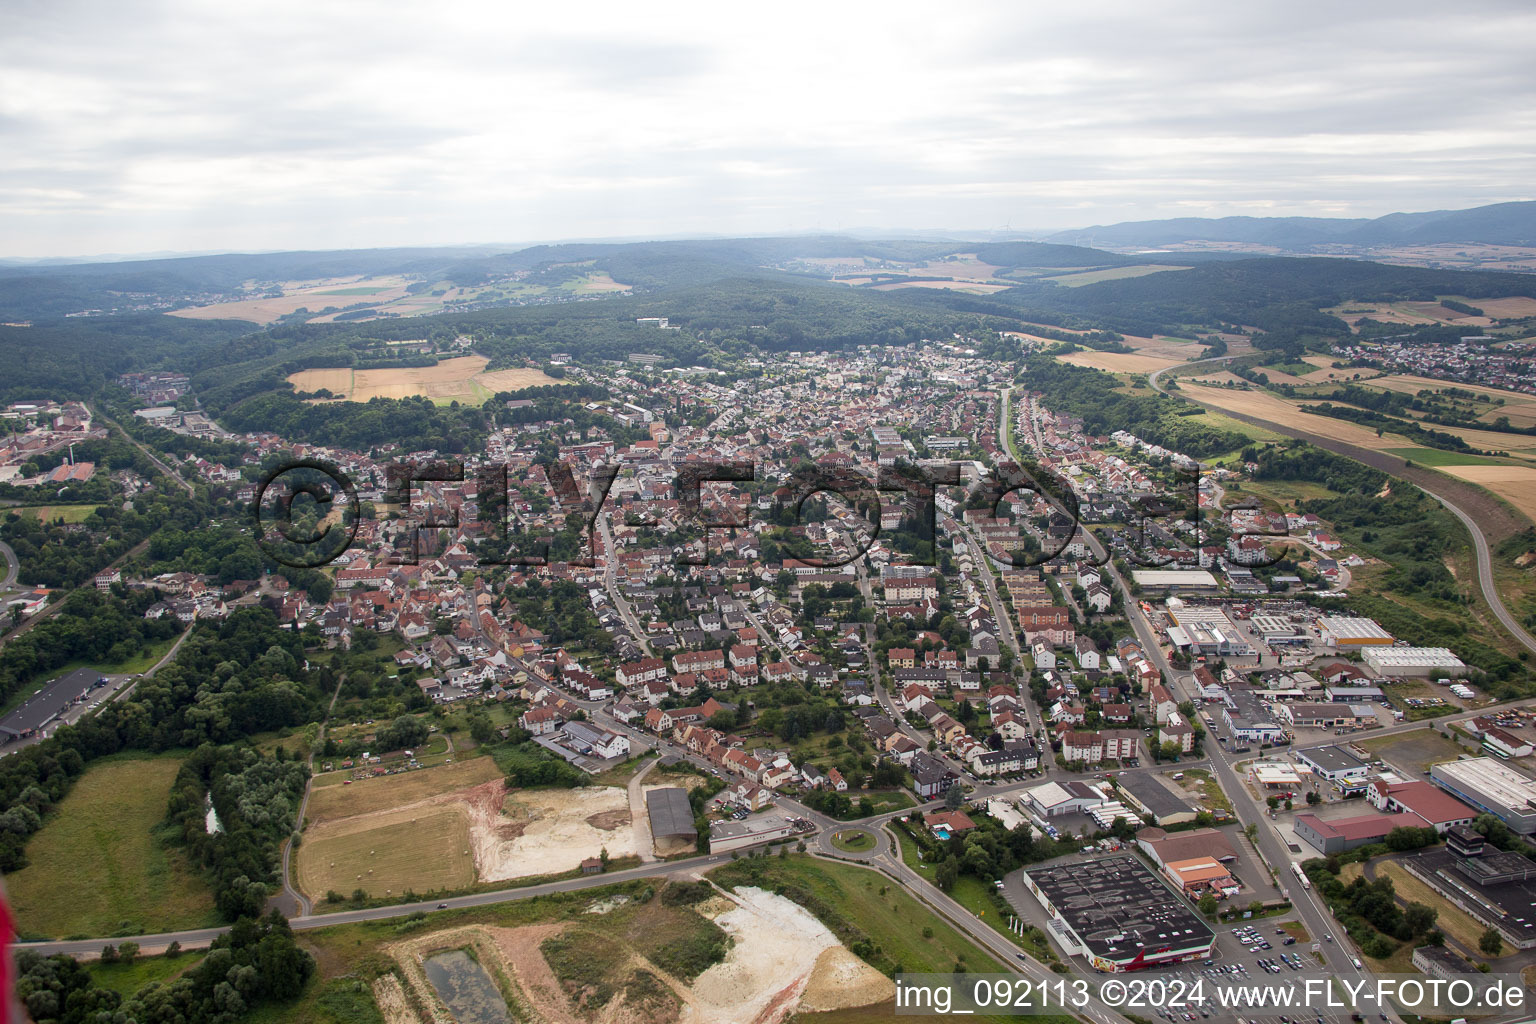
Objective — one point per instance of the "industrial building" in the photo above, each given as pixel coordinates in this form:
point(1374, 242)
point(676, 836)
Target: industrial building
point(1147, 794)
point(1412, 661)
point(1333, 763)
point(1341, 834)
point(1055, 799)
point(1277, 629)
point(1490, 785)
point(1320, 716)
point(1172, 847)
point(42, 708)
point(1434, 805)
point(1207, 631)
point(1118, 914)
point(1348, 631)
point(737, 835)
point(1186, 581)
point(670, 813)
point(1496, 888)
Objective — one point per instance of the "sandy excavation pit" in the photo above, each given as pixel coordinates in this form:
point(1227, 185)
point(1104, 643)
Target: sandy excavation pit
point(448, 841)
point(783, 961)
point(544, 832)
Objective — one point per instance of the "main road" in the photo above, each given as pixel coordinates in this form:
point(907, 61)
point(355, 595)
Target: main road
point(12, 566)
point(1268, 844)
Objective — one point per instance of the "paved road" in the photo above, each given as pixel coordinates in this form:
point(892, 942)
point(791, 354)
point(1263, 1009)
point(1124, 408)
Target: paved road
point(202, 936)
point(610, 581)
point(1266, 839)
point(12, 566)
point(1423, 481)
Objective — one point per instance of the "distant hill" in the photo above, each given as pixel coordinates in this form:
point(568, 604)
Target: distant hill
point(1500, 224)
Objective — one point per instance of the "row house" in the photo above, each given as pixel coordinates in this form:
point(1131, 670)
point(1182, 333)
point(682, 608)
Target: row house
point(633, 673)
point(745, 795)
point(1049, 623)
point(988, 763)
point(540, 721)
point(586, 685)
point(902, 590)
point(698, 661)
point(1105, 745)
point(743, 661)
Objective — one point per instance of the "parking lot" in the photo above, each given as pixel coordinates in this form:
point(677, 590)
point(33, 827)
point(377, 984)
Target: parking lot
point(1256, 955)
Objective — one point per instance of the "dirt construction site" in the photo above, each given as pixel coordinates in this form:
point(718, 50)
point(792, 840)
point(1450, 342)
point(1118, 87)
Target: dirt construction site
point(630, 961)
point(452, 827)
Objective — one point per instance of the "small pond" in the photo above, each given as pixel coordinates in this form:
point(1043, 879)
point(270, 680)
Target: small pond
point(467, 990)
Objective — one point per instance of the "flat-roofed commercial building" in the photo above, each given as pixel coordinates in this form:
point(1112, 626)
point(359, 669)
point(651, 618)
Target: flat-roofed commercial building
point(1496, 889)
point(1277, 629)
point(1490, 785)
point(1412, 661)
point(1190, 581)
point(1148, 795)
point(1439, 962)
point(1333, 763)
point(1348, 631)
point(1341, 834)
point(1274, 775)
point(1208, 631)
point(1249, 720)
point(754, 831)
point(1118, 914)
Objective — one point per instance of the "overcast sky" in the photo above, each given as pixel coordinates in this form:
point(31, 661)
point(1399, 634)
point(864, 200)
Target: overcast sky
point(131, 127)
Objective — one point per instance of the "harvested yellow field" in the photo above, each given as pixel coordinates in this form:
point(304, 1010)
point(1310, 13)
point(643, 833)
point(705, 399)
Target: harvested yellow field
point(1516, 484)
point(462, 379)
point(1281, 410)
point(1121, 362)
point(420, 849)
point(1325, 371)
point(311, 295)
point(1112, 274)
point(1515, 306)
point(978, 287)
point(1520, 408)
point(1275, 409)
point(330, 802)
point(1218, 379)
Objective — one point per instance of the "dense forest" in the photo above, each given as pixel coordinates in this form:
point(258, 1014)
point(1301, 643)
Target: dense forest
point(1104, 407)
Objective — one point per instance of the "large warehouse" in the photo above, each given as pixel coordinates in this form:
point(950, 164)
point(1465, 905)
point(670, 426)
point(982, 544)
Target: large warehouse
point(671, 818)
point(1118, 914)
point(1412, 661)
point(1489, 785)
point(1348, 631)
point(1206, 630)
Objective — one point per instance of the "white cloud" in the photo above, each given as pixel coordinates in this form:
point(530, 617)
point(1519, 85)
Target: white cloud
point(181, 125)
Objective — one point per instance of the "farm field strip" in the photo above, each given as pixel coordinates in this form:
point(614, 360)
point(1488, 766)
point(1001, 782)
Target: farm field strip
point(462, 378)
